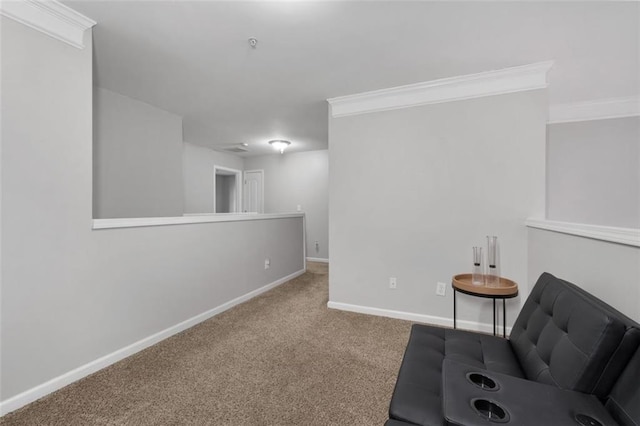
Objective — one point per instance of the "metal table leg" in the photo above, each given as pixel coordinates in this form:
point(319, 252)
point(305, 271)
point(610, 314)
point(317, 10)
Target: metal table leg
point(454, 308)
point(494, 316)
point(504, 318)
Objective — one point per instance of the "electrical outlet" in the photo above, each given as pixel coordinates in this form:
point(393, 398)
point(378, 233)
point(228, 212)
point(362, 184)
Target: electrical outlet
point(441, 289)
point(299, 207)
point(393, 282)
point(267, 263)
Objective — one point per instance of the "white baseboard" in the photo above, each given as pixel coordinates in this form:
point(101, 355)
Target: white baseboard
point(59, 382)
point(317, 259)
point(410, 316)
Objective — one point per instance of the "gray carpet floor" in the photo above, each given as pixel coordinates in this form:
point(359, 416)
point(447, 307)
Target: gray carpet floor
point(281, 358)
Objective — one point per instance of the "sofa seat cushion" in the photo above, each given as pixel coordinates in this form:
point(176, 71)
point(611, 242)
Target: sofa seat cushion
point(417, 396)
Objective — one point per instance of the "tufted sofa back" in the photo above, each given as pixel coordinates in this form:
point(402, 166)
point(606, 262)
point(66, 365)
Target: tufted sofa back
point(568, 338)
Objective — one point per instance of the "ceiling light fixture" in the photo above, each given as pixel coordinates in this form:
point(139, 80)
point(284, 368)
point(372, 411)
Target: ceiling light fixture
point(280, 145)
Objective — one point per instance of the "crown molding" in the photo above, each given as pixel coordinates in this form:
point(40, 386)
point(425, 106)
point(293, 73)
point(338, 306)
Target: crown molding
point(595, 110)
point(50, 17)
point(489, 83)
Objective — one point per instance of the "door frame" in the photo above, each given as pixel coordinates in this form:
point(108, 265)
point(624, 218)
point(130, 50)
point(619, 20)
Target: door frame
point(244, 182)
point(239, 186)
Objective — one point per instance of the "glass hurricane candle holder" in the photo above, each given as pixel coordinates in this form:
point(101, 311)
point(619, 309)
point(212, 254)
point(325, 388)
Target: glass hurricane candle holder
point(492, 278)
point(477, 276)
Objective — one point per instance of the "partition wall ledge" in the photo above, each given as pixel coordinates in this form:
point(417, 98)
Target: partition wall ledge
point(626, 236)
point(137, 222)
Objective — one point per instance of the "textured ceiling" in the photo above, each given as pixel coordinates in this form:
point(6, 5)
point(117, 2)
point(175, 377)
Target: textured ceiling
point(192, 58)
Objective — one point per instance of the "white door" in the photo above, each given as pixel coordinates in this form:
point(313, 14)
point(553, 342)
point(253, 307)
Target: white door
point(253, 189)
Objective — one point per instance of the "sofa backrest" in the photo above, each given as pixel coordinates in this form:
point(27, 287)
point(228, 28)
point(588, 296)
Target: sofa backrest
point(624, 401)
point(566, 337)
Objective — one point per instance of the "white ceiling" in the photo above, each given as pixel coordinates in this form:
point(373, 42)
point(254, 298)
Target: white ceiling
point(193, 58)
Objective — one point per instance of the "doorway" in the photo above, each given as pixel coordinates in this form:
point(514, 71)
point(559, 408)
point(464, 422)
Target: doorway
point(254, 191)
point(226, 190)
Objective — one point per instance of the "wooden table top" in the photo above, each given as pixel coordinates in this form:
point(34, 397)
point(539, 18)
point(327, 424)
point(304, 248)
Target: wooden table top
point(505, 287)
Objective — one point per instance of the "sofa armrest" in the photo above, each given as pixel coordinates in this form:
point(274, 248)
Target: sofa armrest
point(624, 401)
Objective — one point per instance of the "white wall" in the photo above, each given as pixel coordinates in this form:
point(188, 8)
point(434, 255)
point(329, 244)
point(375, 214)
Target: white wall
point(609, 271)
point(593, 177)
point(593, 172)
point(293, 179)
point(290, 180)
point(71, 295)
point(137, 158)
point(412, 190)
point(198, 165)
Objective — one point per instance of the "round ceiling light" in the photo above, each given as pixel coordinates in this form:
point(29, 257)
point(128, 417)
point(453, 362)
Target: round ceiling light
point(280, 145)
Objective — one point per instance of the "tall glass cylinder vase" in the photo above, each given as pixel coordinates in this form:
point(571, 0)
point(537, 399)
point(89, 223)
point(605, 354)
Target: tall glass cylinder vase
point(492, 278)
point(477, 275)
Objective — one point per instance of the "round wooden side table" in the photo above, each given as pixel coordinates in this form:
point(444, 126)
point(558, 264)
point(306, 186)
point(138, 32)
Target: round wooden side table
point(506, 289)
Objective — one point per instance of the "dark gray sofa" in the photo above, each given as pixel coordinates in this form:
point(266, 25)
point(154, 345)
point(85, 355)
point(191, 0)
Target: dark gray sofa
point(563, 337)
